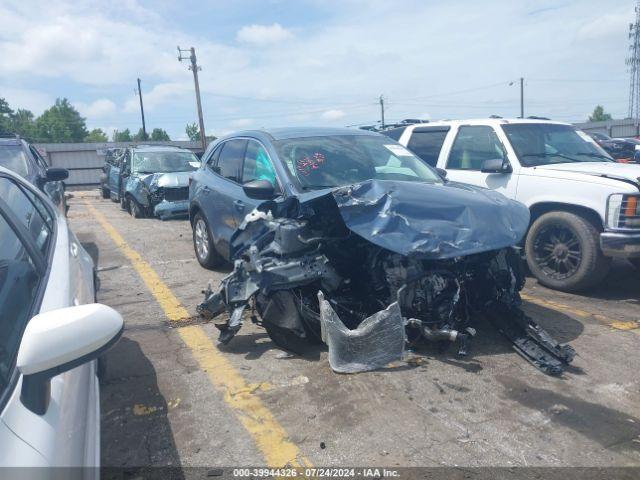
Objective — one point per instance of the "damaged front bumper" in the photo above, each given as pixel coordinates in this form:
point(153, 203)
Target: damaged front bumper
point(166, 210)
point(306, 276)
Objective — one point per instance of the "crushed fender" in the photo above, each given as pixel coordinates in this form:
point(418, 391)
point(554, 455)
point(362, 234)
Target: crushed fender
point(369, 267)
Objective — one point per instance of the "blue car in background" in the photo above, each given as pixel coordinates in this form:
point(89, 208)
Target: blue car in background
point(22, 158)
point(153, 181)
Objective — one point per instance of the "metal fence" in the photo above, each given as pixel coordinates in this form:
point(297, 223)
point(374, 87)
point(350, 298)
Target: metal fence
point(613, 128)
point(85, 160)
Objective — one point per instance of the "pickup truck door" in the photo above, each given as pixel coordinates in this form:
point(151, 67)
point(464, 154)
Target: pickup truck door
point(465, 151)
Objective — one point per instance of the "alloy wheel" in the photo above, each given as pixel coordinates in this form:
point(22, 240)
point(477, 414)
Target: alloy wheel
point(202, 239)
point(558, 252)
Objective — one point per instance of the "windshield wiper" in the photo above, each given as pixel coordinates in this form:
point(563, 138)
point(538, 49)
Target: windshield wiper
point(547, 155)
point(595, 155)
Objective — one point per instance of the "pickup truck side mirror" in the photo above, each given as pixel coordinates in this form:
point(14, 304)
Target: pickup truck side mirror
point(496, 165)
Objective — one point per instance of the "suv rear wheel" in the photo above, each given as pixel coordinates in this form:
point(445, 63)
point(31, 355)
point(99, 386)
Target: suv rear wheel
point(563, 252)
point(206, 253)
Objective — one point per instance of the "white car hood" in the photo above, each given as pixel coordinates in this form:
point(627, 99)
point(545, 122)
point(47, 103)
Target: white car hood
point(604, 169)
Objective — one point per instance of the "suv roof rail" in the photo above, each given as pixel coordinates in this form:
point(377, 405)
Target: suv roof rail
point(535, 117)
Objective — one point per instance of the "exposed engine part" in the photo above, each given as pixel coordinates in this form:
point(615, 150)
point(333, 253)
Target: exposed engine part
point(310, 277)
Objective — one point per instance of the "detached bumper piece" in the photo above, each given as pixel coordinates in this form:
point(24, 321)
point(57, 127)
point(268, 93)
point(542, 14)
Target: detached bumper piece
point(378, 340)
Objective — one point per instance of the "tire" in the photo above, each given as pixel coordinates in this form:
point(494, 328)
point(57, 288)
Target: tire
point(563, 252)
point(135, 209)
point(123, 203)
point(105, 193)
point(203, 246)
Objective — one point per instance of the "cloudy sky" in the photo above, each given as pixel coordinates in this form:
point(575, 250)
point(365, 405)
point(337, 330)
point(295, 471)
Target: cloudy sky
point(312, 62)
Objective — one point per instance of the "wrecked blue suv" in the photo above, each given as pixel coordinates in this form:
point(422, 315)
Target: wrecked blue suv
point(156, 181)
point(346, 237)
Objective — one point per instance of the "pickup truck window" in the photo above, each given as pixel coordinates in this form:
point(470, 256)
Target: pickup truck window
point(426, 142)
point(547, 143)
point(472, 146)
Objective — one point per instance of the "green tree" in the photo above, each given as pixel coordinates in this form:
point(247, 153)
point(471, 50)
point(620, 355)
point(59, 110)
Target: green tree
point(158, 134)
point(599, 115)
point(5, 116)
point(22, 123)
point(122, 136)
point(141, 136)
point(61, 123)
point(192, 131)
point(96, 135)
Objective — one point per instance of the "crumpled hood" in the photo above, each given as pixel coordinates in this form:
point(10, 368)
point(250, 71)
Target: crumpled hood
point(608, 169)
point(434, 221)
point(173, 179)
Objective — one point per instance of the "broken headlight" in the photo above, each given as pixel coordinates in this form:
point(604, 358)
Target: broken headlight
point(623, 211)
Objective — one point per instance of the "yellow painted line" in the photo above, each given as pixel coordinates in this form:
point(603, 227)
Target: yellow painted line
point(267, 433)
point(616, 324)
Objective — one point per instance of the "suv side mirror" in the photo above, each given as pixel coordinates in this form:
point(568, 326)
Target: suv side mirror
point(496, 165)
point(442, 172)
point(57, 341)
point(54, 174)
point(259, 189)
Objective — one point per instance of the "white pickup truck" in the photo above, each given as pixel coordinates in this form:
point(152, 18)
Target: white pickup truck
point(585, 208)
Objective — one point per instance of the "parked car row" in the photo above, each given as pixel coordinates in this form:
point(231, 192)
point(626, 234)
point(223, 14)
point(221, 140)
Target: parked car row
point(149, 181)
point(623, 150)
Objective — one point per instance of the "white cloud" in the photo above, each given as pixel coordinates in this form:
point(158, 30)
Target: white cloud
point(333, 114)
point(242, 122)
point(33, 100)
point(263, 34)
point(99, 108)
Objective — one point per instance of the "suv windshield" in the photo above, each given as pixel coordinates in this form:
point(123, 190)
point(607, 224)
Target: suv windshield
point(154, 162)
point(15, 159)
point(547, 143)
point(332, 161)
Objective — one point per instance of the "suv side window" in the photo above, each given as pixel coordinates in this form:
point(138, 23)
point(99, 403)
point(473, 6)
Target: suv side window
point(257, 165)
point(30, 211)
point(231, 158)
point(472, 146)
point(426, 143)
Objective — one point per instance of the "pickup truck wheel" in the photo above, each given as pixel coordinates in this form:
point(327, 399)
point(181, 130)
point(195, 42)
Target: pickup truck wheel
point(563, 252)
point(206, 253)
point(105, 192)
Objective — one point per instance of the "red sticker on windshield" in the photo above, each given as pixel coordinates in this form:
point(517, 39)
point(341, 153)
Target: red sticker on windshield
point(308, 163)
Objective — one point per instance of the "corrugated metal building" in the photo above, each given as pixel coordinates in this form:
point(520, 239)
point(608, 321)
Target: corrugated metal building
point(613, 128)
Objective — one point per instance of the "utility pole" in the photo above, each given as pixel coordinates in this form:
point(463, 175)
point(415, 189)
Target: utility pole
point(633, 62)
point(521, 97)
point(382, 111)
point(194, 68)
point(144, 127)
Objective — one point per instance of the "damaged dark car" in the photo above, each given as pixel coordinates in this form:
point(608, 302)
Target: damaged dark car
point(347, 238)
point(156, 181)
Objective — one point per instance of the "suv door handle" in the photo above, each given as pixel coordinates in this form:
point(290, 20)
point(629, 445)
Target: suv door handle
point(239, 205)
